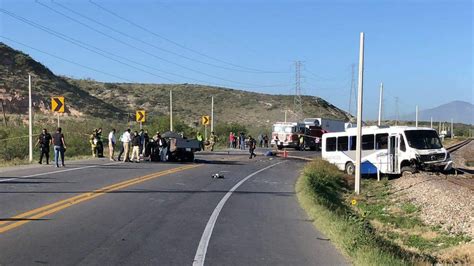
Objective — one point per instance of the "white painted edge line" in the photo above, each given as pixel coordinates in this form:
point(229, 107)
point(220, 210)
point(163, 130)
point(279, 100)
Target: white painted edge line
point(60, 171)
point(206, 235)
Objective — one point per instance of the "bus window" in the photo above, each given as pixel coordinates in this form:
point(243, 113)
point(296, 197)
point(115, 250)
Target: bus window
point(331, 144)
point(367, 142)
point(402, 144)
point(342, 143)
point(381, 141)
point(353, 143)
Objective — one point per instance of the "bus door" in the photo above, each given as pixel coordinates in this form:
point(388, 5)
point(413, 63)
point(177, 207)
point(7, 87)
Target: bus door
point(393, 142)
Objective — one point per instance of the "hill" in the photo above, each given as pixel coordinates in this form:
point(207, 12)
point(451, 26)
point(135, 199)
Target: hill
point(459, 111)
point(14, 69)
point(86, 97)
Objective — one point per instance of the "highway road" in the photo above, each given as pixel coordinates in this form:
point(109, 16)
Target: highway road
point(97, 212)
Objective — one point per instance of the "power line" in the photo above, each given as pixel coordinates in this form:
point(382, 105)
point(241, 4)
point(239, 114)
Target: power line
point(146, 52)
point(67, 60)
point(106, 54)
point(173, 42)
point(76, 42)
point(151, 44)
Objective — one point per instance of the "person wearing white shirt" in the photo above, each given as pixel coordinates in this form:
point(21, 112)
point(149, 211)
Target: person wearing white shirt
point(112, 144)
point(126, 145)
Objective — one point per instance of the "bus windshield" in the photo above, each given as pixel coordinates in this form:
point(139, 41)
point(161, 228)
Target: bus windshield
point(423, 139)
point(281, 129)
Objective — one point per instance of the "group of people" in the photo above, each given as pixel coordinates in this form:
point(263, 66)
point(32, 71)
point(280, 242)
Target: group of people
point(240, 141)
point(45, 140)
point(140, 144)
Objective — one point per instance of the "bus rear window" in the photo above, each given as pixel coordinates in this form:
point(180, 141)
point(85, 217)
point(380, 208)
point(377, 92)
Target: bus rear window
point(331, 144)
point(342, 143)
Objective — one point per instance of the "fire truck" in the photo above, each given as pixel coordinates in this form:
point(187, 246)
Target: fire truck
point(287, 134)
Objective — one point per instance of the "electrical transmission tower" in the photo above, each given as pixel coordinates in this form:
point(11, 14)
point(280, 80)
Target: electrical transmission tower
point(298, 103)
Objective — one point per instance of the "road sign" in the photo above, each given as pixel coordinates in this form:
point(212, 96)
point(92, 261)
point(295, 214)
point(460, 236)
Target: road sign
point(205, 120)
point(140, 116)
point(57, 104)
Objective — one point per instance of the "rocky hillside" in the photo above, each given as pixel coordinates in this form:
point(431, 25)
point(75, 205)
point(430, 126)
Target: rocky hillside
point(88, 97)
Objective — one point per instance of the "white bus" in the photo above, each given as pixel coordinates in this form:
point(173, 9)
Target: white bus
point(390, 150)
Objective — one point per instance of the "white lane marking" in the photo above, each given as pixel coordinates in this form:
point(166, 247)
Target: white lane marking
point(206, 235)
point(59, 171)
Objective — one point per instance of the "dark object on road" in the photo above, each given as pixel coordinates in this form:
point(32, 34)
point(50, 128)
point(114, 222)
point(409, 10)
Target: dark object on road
point(180, 148)
point(269, 153)
point(217, 175)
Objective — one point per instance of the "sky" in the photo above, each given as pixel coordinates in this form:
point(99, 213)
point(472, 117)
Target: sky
point(421, 50)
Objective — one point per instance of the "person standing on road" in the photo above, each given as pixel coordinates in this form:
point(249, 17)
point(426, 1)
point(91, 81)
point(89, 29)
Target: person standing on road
point(231, 139)
point(126, 138)
point(100, 144)
point(212, 140)
point(242, 141)
point(200, 138)
point(252, 146)
point(135, 147)
point(59, 147)
point(93, 142)
point(44, 140)
point(112, 141)
point(260, 140)
point(265, 140)
point(163, 148)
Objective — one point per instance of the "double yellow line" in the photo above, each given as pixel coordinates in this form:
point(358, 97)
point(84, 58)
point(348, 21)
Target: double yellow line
point(38, 213)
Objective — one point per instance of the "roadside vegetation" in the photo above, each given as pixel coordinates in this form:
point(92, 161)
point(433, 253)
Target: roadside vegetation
point(14, 135)
point(375, 227)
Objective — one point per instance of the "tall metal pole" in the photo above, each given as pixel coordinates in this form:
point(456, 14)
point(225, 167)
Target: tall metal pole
point(285, 115)
point(431, 122)
point(58, 121)
point(380, 104)
point(359, 114)
point(452, 129)
point(416, 117)
point(30, 121)
point(171, 110)
point(212, 113)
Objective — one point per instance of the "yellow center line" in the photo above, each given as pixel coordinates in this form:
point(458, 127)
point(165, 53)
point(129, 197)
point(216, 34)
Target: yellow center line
point(63, 204)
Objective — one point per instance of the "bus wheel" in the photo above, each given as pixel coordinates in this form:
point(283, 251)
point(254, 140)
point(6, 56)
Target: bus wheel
point(407, 170)
point(350, 168)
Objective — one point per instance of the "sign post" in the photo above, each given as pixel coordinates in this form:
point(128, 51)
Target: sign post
point(57, 105)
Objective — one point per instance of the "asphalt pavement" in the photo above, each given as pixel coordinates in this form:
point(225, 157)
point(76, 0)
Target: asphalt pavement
point(97, 212)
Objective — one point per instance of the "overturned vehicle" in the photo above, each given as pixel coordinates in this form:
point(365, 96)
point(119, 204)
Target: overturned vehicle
point(177, 148)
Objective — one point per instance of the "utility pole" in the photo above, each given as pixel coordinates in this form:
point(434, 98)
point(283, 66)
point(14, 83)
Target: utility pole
point(298, 103)
point(212, 114)
point(416, 116)
point(30, 120)
point(397, 111)
point(452, 129)
point(171, 110)
point(431, 122)
point(380, 104)
point(360, 88)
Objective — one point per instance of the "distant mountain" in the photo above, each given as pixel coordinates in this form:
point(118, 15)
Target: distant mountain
point(459, 111)
point(85, 97)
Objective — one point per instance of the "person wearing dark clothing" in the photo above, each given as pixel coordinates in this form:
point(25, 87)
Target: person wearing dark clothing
point(135, 147)
point(100, 144)
point(59, 147)
point(265, 141)
point(44, 140)
point(252, 146)
point(146, 140)
point(242, 141)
